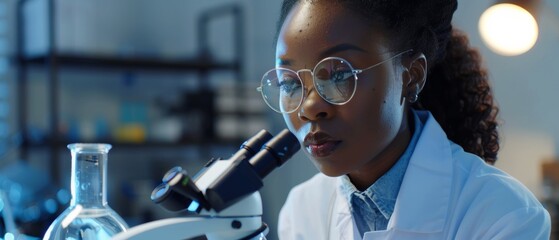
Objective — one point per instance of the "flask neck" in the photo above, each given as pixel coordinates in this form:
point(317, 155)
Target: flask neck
point(89, 177)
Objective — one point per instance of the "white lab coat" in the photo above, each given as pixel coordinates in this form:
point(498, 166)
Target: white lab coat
point(446, 193)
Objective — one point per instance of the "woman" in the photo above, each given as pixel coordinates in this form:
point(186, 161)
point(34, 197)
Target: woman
point(393, 108)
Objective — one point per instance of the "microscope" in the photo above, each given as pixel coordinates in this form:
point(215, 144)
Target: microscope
point(223, 197)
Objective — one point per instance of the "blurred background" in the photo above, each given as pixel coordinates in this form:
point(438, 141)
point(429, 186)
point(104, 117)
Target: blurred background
point(172, 83)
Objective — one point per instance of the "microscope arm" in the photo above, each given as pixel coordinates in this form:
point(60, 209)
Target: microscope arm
point(189, 227)
point(236, 222)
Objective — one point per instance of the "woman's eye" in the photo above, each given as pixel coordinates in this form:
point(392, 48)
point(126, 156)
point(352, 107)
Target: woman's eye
point(340, 75)
point(289, 85)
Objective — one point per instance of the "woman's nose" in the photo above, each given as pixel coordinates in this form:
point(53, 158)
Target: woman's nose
point(313, 106)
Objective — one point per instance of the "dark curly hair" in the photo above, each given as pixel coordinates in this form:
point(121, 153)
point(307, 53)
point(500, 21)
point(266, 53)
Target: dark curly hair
point(457, 91)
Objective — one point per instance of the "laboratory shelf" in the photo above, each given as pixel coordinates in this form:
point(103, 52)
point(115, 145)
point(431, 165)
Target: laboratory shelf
point(133, 62)
point(143, 145)
point(202, 65)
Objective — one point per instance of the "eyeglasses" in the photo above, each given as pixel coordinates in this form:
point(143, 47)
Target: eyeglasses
point(334, 79)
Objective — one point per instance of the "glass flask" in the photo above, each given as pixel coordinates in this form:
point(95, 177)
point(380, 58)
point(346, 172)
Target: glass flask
point(89, 216)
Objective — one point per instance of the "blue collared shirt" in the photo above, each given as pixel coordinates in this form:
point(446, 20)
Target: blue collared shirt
point(372, 208)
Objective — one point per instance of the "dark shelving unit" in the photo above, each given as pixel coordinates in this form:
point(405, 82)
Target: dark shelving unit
point(54, 61)
point(136, 63)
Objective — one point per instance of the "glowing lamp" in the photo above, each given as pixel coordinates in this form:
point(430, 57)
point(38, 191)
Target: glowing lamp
point(508, 29)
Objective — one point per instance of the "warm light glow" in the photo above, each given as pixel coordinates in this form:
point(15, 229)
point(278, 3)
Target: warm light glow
point(508, 29)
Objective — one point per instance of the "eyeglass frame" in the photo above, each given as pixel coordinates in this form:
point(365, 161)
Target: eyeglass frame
point(306, 92)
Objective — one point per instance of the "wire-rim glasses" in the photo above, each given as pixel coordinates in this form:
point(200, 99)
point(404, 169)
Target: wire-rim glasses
point(334, 79)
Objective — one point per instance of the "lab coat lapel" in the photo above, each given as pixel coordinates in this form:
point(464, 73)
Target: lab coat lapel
point(423, 201)
point(342, 222)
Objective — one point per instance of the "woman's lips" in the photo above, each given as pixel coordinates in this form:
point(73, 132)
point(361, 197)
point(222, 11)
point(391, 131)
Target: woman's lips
point(320, 144)
point(323, 149)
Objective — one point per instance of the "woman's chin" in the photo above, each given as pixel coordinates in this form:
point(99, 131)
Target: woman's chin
point(328, 170)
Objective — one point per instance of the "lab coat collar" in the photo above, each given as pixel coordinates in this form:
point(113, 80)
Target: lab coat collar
point(423, 199)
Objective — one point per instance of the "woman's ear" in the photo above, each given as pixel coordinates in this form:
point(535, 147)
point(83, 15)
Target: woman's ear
point(415, 75)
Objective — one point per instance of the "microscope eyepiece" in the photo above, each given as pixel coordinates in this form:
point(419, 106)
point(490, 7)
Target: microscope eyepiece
point(275, 152)
point(256, 142)
point(246, 177)
point(225, 183)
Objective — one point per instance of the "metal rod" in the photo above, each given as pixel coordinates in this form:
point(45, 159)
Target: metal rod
point(203, 22)
point(53, 92)
point(21, 78)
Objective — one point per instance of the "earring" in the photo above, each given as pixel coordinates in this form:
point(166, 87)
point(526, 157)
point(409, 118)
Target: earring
point(413, 98)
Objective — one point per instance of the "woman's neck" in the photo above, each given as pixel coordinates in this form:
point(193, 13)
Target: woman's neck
point(376, 168)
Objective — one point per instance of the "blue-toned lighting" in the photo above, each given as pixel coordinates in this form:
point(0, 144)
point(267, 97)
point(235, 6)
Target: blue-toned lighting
point(193, 206)
point(31, 213)
point(50, 206)
point(9, 236)
point(63, 196)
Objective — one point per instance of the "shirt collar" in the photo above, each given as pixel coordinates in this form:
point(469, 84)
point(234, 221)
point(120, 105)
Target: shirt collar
point(384, 191)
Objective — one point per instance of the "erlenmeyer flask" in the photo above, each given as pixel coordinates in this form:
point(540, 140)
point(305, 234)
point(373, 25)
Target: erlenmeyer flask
point(89, 216)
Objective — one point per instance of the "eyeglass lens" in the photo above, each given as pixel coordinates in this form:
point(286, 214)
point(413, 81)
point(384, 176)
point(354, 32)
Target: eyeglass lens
point(333, 80)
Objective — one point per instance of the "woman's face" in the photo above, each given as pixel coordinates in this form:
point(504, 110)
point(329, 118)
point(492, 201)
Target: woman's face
point(367, 133)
